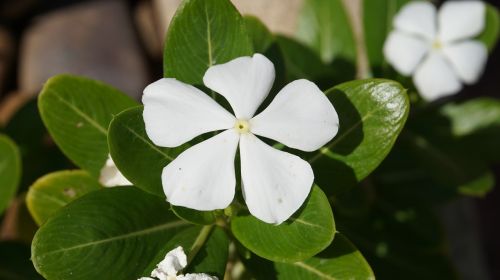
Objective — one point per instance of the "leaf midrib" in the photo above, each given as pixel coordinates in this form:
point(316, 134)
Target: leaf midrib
point(123, 236)
point(314, 270)
point(140, 137)
point(82, 114)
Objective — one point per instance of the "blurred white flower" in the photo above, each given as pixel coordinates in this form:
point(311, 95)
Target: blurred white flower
point(274, 183)
point(170, 266)
point(111, 176)
point(438, 48)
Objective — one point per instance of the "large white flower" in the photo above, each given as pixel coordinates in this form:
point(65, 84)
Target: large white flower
point(437, 47)
point(274, 183)
point(169, 267)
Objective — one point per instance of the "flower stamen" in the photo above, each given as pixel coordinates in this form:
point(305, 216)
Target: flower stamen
point(242, 126)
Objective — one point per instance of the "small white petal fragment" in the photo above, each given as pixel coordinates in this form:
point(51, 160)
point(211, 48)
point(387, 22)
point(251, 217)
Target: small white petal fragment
point(173, 262)
point(111, 176)
point(417, 18)
point(468, 59)
point(404, 52)
point(461, 20)
point(175, 113)
point(196, 276)
point(435, 78)
point(275, 184)
point(203, 176)
point(300, 116)
point(244, 82)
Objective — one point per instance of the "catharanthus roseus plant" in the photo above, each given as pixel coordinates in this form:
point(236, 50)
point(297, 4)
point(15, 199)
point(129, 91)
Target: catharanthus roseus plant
point(260, 156)
point(274, 183)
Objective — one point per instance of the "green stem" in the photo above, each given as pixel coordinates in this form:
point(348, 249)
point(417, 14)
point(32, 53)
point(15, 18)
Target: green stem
point(199, 242)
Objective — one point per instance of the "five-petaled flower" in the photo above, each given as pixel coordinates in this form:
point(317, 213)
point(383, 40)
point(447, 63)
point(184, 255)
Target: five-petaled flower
point(169, 267)
point(438, 48)
point(274, 183)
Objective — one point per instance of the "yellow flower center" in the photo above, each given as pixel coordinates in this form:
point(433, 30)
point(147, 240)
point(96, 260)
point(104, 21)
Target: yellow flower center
point(437, 44)
point(242, 126)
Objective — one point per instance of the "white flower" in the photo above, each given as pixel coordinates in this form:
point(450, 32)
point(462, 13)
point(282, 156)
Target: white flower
point(274, 183)
point(174, 262)
point(437, 47)
point(111, 176)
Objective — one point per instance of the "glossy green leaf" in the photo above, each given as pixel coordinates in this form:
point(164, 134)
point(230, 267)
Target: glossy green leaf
point(259, 34)
point(107, 234)
point(341, 260)
point(206, 248)
point(305, 234)
point(371, 113)
point(201, 34)
point(55, 190)
point(325, 26)
point(10, 171)
point(139, 160)
point(489, 36)
point(77, 112)
point(15, 262)
point(377, 23)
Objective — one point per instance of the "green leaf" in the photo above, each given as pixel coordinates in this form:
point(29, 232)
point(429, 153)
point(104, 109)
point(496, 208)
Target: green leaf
point(372, 113)
point(260, 36)
point(377, 23)
point(10, 171)
point(489, 36)
point(15, 262)
point(38, 155)
point(55, 190)
point(205, 246)
point(77, 112)
point(203, 33)
point(341, 260)
point(302, 63)
point(472, 116)
point(305, 234)
point(139, 160)
point(106, 234)
point(194, 216)
point(477, 125)
point(324, 26)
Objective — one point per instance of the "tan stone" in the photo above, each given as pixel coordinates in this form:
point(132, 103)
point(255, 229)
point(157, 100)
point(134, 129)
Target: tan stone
point(93, 39)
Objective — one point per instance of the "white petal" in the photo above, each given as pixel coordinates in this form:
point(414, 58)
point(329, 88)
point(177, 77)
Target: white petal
point(417, 18)
point(461, 20)
point(275, 184)
point(203, 177)
point(175, 113)
point(300, 116)
point(435, 78)
point(404, 52)
point(468, 59)
point(196, 276)
point(173, 262)
point(244, 82)
point(111, 176)
point(146, 278)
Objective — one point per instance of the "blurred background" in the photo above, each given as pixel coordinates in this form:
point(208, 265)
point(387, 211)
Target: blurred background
point(120, 42)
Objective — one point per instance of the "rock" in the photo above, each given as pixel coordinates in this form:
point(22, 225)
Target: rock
point(148, 28)
point(93, 39)
point(277, 16)
point(6, 57)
